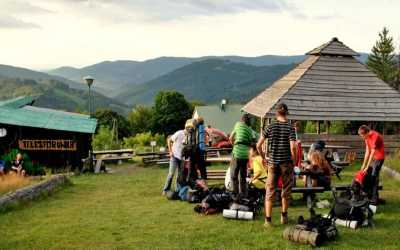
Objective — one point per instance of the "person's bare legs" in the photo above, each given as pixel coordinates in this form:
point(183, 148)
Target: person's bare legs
point(268, 208)
point(285, 205)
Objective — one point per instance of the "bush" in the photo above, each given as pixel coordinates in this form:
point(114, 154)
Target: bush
point(141, 142)
point(30, 167)
point(104, 140)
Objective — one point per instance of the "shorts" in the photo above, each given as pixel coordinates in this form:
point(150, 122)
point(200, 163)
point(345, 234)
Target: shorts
point(284, 169)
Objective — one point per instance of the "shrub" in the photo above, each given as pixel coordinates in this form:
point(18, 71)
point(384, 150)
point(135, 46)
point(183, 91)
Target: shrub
point(104, 140)
point(30, 167)
point(141, 142)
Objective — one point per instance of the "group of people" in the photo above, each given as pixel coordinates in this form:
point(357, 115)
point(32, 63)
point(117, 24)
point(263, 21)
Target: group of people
point(273, 158)
point(17, 166)
point(187, 144)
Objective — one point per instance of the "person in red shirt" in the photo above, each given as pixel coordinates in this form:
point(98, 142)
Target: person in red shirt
point(373, 159)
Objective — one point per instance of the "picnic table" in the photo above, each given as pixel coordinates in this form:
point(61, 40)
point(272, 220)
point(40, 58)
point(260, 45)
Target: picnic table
point(99, 157)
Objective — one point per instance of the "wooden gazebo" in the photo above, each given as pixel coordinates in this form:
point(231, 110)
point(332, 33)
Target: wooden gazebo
point(330, 85)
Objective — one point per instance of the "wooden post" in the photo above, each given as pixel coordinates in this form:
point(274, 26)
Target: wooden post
point(318, 127)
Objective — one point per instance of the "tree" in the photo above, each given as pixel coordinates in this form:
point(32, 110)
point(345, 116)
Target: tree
point(170, 112)
point(106, 117)
point(382, 58)
point(140, 119)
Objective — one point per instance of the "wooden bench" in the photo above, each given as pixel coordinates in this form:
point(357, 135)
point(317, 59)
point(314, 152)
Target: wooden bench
point(216, 174)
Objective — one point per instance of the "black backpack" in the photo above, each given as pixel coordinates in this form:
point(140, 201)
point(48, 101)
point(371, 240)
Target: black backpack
point(352, 206)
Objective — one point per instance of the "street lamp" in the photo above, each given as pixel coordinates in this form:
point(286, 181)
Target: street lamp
point(89, 81)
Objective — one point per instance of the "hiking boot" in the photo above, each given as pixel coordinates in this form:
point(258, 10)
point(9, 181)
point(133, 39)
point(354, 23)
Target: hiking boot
point(268, 224)
point(284, 219)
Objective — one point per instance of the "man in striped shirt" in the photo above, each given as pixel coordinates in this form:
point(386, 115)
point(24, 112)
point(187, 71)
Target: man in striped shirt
point(241, 138)
point(281, 153)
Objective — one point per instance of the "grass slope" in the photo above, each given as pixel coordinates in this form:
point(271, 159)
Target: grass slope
point(126, 211)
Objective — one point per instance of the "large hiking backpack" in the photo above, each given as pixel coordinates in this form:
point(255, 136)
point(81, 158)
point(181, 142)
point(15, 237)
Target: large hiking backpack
point(190, 140)
point(352, 206)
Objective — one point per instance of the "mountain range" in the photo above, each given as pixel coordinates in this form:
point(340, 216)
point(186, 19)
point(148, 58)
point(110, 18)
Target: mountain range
point(121, 84)
point(208, 81)
point(53, 91)
point(115, 77)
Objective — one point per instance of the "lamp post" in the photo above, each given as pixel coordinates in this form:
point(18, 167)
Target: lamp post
point(89, 81)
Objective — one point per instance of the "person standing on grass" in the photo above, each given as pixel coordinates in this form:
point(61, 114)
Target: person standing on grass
point(280, 156)
point(241, 138)
point(201, 148)
point(373, 159)
point(175, 147)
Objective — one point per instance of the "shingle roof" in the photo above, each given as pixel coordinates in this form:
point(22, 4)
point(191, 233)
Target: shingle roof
point(13, 113)
point(333, 47)
point(330, 87)
point(222, 120)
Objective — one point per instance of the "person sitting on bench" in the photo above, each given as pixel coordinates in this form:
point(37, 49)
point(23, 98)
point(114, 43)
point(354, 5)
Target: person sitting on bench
point(259, 172)
point(320, 169)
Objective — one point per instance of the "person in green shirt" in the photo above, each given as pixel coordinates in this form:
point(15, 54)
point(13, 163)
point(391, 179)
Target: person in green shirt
point(241, 138)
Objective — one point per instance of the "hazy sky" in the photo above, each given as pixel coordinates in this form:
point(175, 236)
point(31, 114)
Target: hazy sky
point(51, 33)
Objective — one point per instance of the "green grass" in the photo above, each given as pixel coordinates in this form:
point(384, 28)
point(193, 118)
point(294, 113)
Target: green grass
point(125, 210)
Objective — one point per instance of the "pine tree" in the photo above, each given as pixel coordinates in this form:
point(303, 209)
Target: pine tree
point(382, 60)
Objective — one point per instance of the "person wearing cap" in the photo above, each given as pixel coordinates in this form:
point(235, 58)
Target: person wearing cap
point(373, 159)
point(280, 155)
point(241, 138)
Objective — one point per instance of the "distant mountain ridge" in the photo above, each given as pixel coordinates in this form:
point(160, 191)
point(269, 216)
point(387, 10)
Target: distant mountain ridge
point(208, 81)
point(112, 77)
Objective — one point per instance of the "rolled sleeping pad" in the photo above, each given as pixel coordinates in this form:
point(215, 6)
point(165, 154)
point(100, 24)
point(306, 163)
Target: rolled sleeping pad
point(238, 215)
point(353, 224)
point(300, 235)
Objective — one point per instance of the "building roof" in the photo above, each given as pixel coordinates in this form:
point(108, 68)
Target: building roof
point(18, 112)
point(222, 120)
point(327, 86)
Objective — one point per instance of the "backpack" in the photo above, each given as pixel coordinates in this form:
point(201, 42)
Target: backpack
point(325, 227)
point(352, 206)
point(190, 140)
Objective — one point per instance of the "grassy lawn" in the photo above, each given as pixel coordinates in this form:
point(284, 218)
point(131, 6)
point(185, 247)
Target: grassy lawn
point(125, 210)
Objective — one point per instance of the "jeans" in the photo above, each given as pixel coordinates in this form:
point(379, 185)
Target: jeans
point(239, 168)
point(174, 164)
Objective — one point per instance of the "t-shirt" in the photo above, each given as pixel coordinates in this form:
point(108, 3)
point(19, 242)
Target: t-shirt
point(177, 143)
point(374, 140)
point(279, 135)
point(258, 167)
point(244, 136)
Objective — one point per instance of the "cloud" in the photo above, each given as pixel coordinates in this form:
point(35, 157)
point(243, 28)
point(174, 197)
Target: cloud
point(18, 7)
point(171, 10)
point(9, 22)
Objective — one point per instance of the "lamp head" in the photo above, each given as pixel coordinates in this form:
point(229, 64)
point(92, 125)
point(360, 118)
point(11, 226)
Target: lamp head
point(89, 80)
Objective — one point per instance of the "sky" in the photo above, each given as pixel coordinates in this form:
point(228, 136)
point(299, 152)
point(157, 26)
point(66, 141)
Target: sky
point(44, 34)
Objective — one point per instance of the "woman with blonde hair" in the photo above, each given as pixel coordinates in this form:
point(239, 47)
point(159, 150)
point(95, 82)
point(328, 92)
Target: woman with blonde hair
point(321, 170)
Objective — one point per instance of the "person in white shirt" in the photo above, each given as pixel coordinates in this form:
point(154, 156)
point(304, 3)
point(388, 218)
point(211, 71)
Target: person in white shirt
point(175, 147)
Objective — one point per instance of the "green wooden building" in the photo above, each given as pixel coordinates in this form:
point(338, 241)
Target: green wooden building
point(51, 137)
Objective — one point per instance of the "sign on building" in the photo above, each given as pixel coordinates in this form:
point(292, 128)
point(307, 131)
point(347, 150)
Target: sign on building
point(48, 145)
